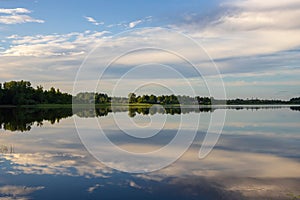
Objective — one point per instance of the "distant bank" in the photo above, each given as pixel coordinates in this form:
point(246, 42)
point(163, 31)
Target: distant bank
point(21, 93)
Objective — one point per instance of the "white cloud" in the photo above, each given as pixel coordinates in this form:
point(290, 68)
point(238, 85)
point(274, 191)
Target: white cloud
point(247, 28)
point(148, 18)
point(125, 24)
point(134, 23)
point(93, 21)
point(263, 5)
point(53, 45)
point(18, 19)
point(122, 24)
point(44, 57)
point(17, 16)
point(14, 11)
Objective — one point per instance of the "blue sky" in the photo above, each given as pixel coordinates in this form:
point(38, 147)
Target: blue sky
point(64, 17)
point(255, 44)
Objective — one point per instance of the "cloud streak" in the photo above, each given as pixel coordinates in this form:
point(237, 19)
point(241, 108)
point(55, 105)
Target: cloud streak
point(140, 21)
point(247, 28)
point(17, 16)
point(73, 43)
point(93, 21)
point(14, 11)
point(134, 23)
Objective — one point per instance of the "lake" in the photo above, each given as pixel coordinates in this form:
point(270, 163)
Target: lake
point(42, 155)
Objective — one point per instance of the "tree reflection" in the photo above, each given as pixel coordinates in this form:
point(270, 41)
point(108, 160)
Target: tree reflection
point(297, 108)
point(22, 119)
point(171, 110)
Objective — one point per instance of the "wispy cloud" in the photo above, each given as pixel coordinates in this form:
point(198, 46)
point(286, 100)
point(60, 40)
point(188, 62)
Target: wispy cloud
point(73, 43)
point(93, 21)
point(121, 24)
point(130, 24)
point(18, 19)
point(45, 56)
point(17, 16)
point(134, 23)
point(248, 36)
point(255, 15)
point(14, 11)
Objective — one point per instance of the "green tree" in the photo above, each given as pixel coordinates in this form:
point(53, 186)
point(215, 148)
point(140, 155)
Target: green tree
point(132, 98)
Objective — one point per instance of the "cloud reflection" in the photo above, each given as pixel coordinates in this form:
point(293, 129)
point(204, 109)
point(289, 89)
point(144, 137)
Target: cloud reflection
point(17, 192)
point(57, 164)
point(244, 163)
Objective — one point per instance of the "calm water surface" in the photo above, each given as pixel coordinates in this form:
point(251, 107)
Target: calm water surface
point(256, 157)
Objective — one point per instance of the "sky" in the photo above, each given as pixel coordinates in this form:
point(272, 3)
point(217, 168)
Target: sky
point(252, 46)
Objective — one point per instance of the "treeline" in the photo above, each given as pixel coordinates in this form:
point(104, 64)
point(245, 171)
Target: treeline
point(22, 93)
point(295, 100)
point(100, 98)
point(262, 101)
point(152, 99)
point(255, 102)
point(187, 100)
point(168, 99)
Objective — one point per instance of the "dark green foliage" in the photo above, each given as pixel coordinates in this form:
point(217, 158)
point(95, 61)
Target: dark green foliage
point(132, 98)
point(255, 102)
point(295, 100)
point(102, 98)
point(91, 98)
point(172, 110)
point(203, 100)
point(21, 119)
point(163, 100)
point(22, 93)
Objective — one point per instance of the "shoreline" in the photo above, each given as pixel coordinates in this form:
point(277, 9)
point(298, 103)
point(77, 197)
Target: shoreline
point(145, 105)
